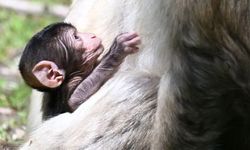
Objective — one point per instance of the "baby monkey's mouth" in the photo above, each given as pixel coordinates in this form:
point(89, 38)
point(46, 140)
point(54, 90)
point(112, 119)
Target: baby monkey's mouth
point(91, 57)
point(96, 53)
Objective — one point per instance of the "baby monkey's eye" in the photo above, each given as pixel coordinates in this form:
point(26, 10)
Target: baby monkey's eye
point(76, 37)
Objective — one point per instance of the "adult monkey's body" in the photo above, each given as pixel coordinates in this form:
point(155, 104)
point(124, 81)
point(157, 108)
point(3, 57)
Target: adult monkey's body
point(118, 17)
point(187, 89)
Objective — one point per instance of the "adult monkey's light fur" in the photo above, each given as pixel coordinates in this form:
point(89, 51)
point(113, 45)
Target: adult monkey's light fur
point(187, 89)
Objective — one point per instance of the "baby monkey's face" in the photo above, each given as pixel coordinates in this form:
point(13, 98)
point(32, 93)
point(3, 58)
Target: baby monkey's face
point(59, 52)
point(88, 45)
point(84, 48)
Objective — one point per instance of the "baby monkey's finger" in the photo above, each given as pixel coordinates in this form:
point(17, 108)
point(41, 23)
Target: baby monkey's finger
point(126, 36)
point(133, 42)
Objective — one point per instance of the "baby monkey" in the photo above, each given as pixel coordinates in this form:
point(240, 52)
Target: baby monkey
point(62, 63)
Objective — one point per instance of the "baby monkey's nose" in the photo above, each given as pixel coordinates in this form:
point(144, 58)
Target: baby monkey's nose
point(93, 36)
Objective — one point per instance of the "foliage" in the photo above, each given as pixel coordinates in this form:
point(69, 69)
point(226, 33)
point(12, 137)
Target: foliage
point(16, 97)
point(15, 30)
point(65, 2)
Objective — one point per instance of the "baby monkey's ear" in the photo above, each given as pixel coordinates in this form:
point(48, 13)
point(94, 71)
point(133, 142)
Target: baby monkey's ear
point(48, 74)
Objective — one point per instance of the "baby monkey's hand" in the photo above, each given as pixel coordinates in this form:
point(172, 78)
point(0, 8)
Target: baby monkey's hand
point(126, 43)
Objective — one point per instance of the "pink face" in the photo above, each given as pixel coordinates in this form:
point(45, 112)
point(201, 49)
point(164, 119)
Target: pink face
point(91, 45)
point(88, 43)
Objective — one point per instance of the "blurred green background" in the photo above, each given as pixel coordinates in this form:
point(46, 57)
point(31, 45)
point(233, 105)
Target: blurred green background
point(15, 30)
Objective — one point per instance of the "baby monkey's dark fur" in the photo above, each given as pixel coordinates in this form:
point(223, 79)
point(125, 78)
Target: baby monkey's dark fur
point(82, 74)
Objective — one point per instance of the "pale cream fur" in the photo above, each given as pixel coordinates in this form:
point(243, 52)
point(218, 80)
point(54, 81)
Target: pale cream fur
point(108, 18)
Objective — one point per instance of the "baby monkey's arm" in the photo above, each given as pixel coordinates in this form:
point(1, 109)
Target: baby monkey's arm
point(124, 44)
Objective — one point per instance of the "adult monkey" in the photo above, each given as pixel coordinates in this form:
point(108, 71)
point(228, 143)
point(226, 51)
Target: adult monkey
point(187, 89)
